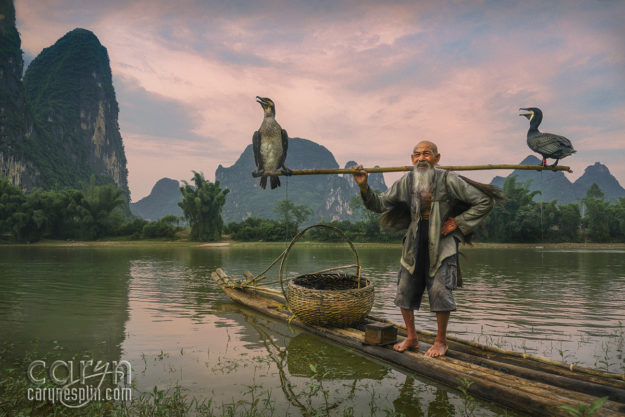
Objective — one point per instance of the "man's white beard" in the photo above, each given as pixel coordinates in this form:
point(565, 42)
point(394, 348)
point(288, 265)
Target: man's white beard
point(423, 179)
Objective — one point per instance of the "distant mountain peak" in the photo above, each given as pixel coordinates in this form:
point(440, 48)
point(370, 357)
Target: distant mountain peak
point(531, 160)
point(80, 33)
point(163, 200)
point(165, 184)
point(600, 174)
point(556, 186)
point(597, 168)
point(327, 195)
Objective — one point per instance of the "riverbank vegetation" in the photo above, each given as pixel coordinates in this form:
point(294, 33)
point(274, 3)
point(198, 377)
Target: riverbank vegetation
point(101, 211)
point(89, 213)
point(517, 219)
point(202, 204)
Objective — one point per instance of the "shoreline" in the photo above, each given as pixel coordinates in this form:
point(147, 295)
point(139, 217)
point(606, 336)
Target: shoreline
point(234, 244)
point(561, 245)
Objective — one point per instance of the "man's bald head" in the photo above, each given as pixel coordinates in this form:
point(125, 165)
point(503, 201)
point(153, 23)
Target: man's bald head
point(427, 144)
point(425, 152)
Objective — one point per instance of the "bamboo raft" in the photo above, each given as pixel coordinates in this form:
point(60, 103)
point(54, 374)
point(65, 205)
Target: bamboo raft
point(522, 382)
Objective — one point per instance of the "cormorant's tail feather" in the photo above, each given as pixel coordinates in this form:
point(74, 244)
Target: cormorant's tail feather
point(397, 217)
point(492, 191)
point(263, 182)
point(275, 181)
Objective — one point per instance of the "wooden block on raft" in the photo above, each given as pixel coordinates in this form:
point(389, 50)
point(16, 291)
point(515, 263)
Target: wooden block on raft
point(380, 334)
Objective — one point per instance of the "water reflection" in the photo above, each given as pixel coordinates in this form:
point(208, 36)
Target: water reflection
point(305, 349)
point(74, 296)
point(355, 382)
point(158, 308)
point(410, 401)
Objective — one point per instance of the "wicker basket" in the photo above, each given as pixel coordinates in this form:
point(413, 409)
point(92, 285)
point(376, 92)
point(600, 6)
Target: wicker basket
point(331, 299)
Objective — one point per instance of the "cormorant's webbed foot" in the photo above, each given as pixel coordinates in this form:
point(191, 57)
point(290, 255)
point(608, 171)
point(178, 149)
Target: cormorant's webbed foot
point(258, 173)
point(544, 163)
point(287, 171)
point(555, 164)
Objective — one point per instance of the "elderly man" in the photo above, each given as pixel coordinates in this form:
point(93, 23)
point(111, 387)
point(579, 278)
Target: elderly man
point(429, 256)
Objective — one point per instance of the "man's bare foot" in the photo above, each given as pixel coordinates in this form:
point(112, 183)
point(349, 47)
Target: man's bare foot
point(437, 349)
point(406, 344)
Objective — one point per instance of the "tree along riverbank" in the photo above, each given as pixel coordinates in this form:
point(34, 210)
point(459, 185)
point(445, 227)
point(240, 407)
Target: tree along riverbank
point(516, 219)
point(98, 212)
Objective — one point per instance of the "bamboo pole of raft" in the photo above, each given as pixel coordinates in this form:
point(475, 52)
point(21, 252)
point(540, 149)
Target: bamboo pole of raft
point(532, 396)
point(613, 380)
point(411, 167)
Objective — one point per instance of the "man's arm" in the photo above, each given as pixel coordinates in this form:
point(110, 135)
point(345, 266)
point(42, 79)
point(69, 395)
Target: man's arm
point(373, 201)
point(480, 205)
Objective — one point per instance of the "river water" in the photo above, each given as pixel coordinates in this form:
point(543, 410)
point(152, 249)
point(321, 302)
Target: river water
point(156, 306)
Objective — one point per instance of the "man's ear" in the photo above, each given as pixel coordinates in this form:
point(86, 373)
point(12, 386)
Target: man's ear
point(437, 158)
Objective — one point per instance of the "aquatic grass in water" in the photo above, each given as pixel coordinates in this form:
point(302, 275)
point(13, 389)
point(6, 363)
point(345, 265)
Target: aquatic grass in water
point(469, 402)
point(617, 342)
point(313, 397)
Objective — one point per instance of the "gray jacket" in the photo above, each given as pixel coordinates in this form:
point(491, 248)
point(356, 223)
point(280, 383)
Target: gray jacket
point(447, 186)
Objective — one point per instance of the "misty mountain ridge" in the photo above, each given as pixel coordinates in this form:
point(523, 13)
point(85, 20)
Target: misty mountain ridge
point(329, 195)
point(554, 185)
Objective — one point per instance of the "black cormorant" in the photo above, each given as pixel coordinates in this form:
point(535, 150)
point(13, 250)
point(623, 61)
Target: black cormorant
point(270, 144)
point(547, 144)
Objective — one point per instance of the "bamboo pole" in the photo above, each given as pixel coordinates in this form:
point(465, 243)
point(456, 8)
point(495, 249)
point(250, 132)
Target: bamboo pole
point(530, 396)
point(517, 357)
point(607, 379)
point(410, 168)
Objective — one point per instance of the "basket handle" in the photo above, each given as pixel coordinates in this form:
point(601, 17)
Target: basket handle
point(296, 238)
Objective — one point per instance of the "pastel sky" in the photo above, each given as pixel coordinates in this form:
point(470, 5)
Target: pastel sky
point(365, 79)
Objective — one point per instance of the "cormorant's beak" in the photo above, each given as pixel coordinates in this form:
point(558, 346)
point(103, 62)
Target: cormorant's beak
point(262, 101)
point(528, 115)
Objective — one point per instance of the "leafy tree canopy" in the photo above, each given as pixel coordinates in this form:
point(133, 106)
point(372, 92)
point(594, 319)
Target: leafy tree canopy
point(201, 205)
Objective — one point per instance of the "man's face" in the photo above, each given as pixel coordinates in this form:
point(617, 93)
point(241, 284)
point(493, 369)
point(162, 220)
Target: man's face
point(424, 154)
